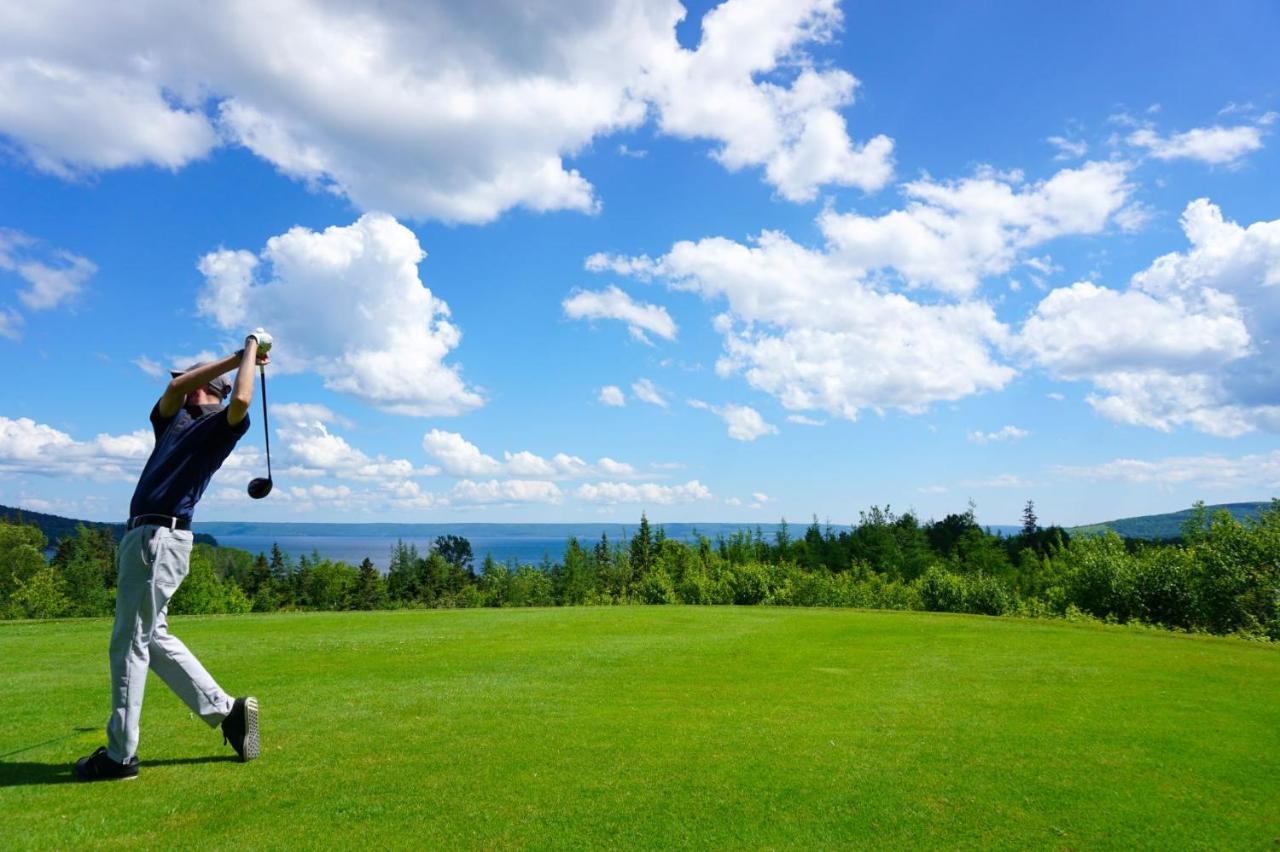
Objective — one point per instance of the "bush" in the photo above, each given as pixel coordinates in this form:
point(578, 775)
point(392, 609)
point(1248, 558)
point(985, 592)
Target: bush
point(941, 591)
point(237, 601)
point(1165, 587)
point(656, 588)
point(200, 593)
point(1098, 576)
point(984, 595)
point(43, 595)
point(21, 556)
point(749, 583)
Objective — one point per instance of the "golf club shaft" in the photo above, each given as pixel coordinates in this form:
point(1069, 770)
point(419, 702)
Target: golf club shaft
point(266, 433)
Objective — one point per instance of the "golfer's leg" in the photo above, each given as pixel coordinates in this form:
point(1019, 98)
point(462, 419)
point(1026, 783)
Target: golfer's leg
point(130, 637)
point(171, 659)
point(182, 672)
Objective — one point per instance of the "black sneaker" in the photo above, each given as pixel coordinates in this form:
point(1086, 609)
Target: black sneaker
point(240, 728)
point(99, 767)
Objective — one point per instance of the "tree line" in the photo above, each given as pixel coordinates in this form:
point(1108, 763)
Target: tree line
point(1222, 576)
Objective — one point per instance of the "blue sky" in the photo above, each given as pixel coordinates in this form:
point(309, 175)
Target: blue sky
point(824, 255)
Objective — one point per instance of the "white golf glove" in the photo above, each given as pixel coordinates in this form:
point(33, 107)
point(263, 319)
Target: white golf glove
point(264, 339)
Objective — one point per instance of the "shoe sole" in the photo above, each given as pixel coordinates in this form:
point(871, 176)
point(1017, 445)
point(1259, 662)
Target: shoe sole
point(83, 779)
point(252, 742)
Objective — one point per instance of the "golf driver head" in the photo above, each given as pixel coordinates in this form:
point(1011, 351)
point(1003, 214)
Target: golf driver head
point(260, 487)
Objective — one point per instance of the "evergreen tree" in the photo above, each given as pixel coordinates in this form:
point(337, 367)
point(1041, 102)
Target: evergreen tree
point(279, 565)
point(1030, 523)
point(642, 550)
point(402, 573)
point(602, 551)
point(371, 590)
point(573, 580)
point(783, 539)
point(259, 574)
point(87, 567)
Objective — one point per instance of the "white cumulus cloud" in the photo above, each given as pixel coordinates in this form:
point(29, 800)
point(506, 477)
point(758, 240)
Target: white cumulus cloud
point(348, 304)
point(430, 109)
point(744, 422)
point(828, 330)
point(316, 451)
point(612, 395)
point(1008, 433)
point(644, 492)
point(459, 457)
point(809, 331)
point(1193, 341)
point(35, 448)
point(646, 391)
point(52, 276)
point(1255, 471)
point(1068, 149)
point(613, 303)
point(468, 492)
point(952, 234)
point(728, 90)
point(1216, 146)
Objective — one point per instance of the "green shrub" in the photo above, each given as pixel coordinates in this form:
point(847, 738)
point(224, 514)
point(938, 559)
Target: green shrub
point(1165, 587)
point(986, 595)
point(656, 588)
point(941, 591)
point(749, 583)
point(1098, 576)
point(42, 595)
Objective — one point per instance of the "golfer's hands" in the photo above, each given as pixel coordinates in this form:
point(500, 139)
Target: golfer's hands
point(264, 339)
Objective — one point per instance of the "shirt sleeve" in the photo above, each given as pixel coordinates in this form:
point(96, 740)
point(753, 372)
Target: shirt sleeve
point(158, 421)
point(240, 428)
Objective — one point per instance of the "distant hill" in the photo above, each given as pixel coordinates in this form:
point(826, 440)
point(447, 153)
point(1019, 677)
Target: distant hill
point(1168, 525)
point(55, 527)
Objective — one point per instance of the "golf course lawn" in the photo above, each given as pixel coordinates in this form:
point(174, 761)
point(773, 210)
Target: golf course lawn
point(659, 727)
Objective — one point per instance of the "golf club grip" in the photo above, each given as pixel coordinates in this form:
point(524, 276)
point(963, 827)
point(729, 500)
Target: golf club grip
point(266, 433)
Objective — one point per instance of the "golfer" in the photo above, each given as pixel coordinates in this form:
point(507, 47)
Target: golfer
point(194, 436)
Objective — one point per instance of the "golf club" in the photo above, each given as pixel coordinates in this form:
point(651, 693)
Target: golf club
point(259, 488)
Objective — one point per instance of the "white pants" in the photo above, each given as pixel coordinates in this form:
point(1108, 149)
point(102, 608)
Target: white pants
point(152, 562)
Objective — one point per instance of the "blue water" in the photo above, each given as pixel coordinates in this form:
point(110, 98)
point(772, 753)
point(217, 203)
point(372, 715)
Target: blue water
point(352, 549)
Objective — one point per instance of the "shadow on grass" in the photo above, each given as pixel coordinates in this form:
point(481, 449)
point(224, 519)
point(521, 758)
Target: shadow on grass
point(46, 742)
point(21, 774)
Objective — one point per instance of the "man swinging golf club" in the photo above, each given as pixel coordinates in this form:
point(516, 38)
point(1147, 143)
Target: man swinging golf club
point(194, 436)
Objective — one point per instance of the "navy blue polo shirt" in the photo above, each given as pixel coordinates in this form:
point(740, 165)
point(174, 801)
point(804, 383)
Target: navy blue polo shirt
point(188, 452)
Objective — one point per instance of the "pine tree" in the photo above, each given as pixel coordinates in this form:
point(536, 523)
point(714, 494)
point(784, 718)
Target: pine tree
point(259, 574)
point(601, 551)
point(279, 564)
point(1030, 523)
point(371, 590)
point(642, 548)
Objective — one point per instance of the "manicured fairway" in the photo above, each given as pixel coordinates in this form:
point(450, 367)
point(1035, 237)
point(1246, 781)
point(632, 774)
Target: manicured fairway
point(659, 727)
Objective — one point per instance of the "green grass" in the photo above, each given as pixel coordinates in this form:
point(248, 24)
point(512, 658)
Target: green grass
point(660, 727)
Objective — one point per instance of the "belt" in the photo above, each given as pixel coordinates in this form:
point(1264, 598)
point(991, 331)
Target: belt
point(160, 521)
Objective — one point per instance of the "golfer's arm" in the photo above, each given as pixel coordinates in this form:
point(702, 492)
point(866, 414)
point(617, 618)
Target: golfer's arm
point(184, 384)
point(242, 391)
